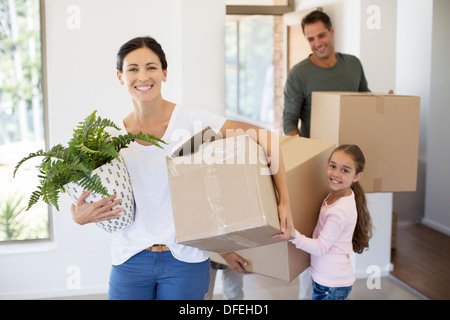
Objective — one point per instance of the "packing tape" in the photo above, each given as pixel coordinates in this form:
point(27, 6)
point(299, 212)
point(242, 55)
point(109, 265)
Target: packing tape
point(243, 242)
point(214, 198)
point(377, 184)
point(380, 105)
point(171, 167)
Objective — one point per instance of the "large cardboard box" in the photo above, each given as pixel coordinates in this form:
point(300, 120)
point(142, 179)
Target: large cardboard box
point(223, 196)
point(305, 162)
point(385, 127)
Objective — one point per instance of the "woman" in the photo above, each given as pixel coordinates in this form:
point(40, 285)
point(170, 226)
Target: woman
point(147, 261)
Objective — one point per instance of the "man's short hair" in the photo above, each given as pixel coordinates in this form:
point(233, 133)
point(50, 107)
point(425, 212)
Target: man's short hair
point(315, 16)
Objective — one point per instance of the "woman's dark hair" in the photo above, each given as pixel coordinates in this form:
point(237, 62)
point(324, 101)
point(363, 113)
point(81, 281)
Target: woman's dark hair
point(315, 16)
point(138, 43)
point(363, 228)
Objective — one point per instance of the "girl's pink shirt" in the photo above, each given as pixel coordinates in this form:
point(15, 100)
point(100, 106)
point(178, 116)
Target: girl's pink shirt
point(331, 243)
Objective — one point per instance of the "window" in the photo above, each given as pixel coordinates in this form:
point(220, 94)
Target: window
point(249, 68)
point(21, 119)
point(252, 7)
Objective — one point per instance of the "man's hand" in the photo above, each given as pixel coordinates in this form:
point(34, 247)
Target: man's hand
point(294, 133)
point(235, 261)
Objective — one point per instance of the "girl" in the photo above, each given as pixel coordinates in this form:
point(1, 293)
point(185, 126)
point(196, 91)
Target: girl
point(344, 225)
point(147, 261)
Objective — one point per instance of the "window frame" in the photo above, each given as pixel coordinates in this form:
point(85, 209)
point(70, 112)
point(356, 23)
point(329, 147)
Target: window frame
point(237, 114)
point(274, 10)
point(43, 71)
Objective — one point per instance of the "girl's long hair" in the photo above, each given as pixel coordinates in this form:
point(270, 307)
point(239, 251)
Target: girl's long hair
point(363, 228)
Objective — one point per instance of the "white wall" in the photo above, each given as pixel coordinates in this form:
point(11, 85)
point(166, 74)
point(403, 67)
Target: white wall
point(378, 21)
point(82, 40)
point(378, 38)
point(423, 70)
point(413, 69)
point(437, 213)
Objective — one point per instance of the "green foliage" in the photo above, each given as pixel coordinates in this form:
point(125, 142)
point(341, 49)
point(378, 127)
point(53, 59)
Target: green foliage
point(20, 70)
point(15, 224)
point(90, 147)
point(11, 226)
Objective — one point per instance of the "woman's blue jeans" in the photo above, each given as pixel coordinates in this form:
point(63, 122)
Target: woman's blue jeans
point(158, 276)
point(321, 292)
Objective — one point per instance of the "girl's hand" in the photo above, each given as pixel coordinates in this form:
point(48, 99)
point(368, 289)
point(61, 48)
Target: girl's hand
point(84, 212)
point(286, 221)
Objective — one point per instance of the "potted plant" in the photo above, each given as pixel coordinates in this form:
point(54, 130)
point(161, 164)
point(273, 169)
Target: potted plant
point(91, 161)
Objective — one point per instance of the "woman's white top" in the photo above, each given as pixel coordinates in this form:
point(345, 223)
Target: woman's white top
point(148, 172)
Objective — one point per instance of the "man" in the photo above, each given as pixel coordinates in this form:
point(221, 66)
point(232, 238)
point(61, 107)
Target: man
point(323, 70)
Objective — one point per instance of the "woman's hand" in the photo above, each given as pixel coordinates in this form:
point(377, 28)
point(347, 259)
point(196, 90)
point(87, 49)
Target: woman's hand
point(84, 212)
point(235, 261)
point(286, 221)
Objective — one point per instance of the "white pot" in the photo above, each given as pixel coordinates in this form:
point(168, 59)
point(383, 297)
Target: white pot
point(115, 178)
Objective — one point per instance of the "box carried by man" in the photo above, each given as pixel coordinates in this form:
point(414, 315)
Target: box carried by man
point(385, 127)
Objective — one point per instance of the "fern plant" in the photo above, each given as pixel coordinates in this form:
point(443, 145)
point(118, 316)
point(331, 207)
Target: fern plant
point(90, 147)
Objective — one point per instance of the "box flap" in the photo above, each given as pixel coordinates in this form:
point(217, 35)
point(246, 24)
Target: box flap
point(298, 150)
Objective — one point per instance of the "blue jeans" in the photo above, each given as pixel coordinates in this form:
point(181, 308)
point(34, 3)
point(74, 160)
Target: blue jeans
point(321, 292)
point(158, 275)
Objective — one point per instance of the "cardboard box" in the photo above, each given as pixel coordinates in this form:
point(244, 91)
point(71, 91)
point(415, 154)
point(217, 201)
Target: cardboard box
point(385, 127)
point(282, 261)
point(223, 198)
point(305, 162)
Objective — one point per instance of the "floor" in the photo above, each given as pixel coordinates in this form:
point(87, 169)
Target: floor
point(422, 260)
point(258, 287)
point(413, 277)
